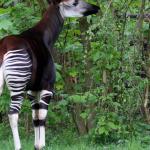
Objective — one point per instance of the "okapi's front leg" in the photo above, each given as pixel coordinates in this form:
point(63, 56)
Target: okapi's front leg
point(32, 96)
point(39, 117)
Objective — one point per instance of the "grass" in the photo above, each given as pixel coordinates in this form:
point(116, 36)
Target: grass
point(80, 145)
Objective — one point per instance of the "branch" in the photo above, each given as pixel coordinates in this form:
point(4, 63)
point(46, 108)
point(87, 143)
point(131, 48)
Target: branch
point(136, 16)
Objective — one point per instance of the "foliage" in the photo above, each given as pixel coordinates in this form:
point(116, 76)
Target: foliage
point(17, 18)
point(99, 71)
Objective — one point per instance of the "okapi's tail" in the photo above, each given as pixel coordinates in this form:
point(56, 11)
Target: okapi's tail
point(1, 79)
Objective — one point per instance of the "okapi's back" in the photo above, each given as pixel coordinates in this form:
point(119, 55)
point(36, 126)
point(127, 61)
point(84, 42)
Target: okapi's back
point(13, 42)
point(10, 43)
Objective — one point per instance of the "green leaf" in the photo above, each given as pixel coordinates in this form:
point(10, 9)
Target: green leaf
point(73, 72)
point(112, 125)
point(4, 11)
point(5, 24)
point(84, 115)
point(77, 98)
point(58, 66)
point(58, 76)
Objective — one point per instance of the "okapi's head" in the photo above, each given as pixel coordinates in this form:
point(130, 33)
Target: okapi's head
point(75, 8)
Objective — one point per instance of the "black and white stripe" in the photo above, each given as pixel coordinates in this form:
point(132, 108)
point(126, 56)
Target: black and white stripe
point(1, 79)
point(32, 96)
point(39, 113)
point(17, 69)
point(39, 109)
point(45, 97)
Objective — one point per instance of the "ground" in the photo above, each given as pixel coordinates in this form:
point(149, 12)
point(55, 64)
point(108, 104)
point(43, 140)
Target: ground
point(81, 145)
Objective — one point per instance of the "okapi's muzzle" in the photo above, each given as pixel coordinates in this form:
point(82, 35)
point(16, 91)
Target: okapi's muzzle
point(91, 9)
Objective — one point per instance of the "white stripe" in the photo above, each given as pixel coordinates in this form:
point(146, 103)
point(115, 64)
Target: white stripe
point(6, 56)
point(43, 92)
point(17, 63)
point(10, 79)
point(13, 119)
point(41, 101)
point(17, 50)
point(39, 137)
point(14, 59)
point(18, 67)
point(15, 93)
point(33, 103)
point(17, 102)
point(14, 108)
point(13, 105)
point(13, 88)
point(19, 73)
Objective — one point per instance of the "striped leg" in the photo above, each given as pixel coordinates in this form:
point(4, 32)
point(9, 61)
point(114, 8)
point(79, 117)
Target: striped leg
point(17, 72)
point(16, 102)
point(40, 118)
point(32, 96)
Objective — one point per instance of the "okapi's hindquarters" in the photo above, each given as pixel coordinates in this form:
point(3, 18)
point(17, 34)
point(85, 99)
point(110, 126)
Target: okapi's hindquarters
point(17, 73)
point(39, 113)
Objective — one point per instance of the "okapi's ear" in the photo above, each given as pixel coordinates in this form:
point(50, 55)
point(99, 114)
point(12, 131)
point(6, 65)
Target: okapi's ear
point(49, 1)
point(54, 1)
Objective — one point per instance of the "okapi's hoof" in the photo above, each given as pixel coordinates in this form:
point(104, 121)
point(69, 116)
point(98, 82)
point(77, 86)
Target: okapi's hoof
point(19, 149)
point(35, 148)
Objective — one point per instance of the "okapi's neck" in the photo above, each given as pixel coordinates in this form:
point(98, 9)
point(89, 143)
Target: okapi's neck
point(50, 26)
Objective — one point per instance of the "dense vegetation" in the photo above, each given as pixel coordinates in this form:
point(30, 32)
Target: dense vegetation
point(102, 61)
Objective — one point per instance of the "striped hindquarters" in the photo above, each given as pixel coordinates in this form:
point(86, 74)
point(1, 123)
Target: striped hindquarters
point(17, 68)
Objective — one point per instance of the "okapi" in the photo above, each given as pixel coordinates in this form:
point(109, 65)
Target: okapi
point(26, 64)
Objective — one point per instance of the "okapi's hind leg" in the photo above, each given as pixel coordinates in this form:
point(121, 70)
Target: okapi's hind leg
point(17, 73)
point(39, 113)
point(13, 115)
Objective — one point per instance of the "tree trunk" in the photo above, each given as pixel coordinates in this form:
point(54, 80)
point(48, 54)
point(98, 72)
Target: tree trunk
point(79, 121)
point(146, 101)
point(140, 49)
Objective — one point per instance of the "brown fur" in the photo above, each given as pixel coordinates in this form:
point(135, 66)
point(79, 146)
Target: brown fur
point(38, 41)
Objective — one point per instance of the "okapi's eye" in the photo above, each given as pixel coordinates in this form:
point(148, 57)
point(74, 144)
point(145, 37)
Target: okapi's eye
point(75, 3)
